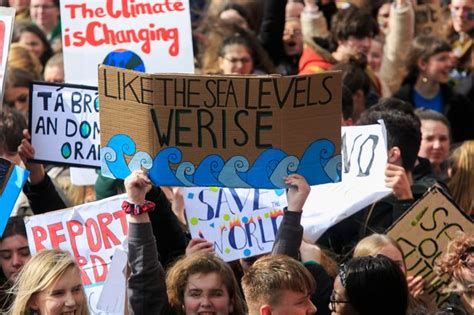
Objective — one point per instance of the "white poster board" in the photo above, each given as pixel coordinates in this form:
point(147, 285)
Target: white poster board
point(239, 222)
point(7, 17)
point(148, 36)
point(91, 232)
point(64, 124)
point(364, 157)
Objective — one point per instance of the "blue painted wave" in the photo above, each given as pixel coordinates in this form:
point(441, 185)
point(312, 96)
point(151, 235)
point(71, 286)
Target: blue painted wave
point(208, 171)
point(318, 165)
point(313, 161)
point(116, 164)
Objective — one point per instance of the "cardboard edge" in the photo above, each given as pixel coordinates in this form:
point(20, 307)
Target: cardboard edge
point(436, 189)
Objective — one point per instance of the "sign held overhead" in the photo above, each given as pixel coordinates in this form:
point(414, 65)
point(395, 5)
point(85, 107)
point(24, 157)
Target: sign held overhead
point(232, 131)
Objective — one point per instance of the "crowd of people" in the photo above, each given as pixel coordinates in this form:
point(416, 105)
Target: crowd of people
point(419, 80)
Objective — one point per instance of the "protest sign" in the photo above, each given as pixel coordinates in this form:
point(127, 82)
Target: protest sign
point(429, 19)
point(7, 17)
point(91, 232)
point(424, 232)
point(231, 131)
point(239, 222)
point(83, 176)
point(12, 179)
point(364, 156)
point(151, 36)
point(64, 124)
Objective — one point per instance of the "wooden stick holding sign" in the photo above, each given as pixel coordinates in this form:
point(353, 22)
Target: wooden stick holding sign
point(224, 131)
point(424, 232)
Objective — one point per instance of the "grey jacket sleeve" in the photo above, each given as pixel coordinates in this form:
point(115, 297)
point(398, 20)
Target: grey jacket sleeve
point(146, 285)
point(289, 236)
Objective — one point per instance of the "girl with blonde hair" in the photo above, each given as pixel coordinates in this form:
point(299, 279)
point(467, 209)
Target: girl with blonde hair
point(50, 283)
point(381, 244)
point(461, 173)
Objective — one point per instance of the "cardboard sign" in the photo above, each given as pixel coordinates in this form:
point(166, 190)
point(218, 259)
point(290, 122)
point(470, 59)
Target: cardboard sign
point(143, 35)
point(7, 18)
point(239, 222)
point(225, 131)
point(12, 180)
point(429, 20)
point(364, 157)
point(64, 124)
point(424, 232)
point(91, 232)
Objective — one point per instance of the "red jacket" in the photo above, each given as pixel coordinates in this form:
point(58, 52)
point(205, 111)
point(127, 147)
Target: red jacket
point(312, 62)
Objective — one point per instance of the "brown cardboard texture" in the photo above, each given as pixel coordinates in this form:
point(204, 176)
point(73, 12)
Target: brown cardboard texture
point(223, 115)
point(429, 20)
point(424, 232)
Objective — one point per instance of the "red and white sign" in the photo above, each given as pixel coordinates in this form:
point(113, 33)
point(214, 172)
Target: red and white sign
point(143, 35)
point(91, 232)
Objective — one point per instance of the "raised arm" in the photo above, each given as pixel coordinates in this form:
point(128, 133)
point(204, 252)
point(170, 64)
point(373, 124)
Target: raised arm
point(146, 285)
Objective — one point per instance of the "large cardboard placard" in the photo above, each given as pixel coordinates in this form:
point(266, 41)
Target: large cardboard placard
point(231, 131)
point(91, 232)
point(64, 124)
point(7, 18)
point(239, 222)
point(12, 180)
point(144, 35)
point(364, 157)
point(424, 232)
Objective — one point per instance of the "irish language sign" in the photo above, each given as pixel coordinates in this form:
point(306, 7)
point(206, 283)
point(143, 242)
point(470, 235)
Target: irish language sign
point(91, 232)
point(231, 131)
point(64, 124)
point(143, 35)
point(239, 222)
point(424, 232)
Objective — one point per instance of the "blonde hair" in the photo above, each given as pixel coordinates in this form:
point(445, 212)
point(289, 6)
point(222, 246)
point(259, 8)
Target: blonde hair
point(21, 58)
point(373, 244)
point(205, 263)
point(42, 271)
point(461, 183)
point(270, 275)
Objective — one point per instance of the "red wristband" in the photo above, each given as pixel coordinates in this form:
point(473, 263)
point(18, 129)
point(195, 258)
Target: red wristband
point(134, 209)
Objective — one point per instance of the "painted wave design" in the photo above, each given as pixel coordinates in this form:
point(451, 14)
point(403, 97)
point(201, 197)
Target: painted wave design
point(314, 160)
point(211, 165)
point(318, 164)
point(116, 164)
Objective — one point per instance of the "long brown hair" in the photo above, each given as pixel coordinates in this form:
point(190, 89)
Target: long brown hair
point(461, 183)
point(178, 275)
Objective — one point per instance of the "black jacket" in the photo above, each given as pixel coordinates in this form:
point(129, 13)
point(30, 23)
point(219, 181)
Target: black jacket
point(457, 108)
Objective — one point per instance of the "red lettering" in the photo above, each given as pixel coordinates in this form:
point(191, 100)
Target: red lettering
point(110, 10)
point(123, 220)
point(74, 229)
point(90, 34)
point(73, 8)
point(100, 12)
point(39, 235)
point(107, 235)
point(82, 262)
point(56, 238)
point(98, 262)
point(96, 244)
